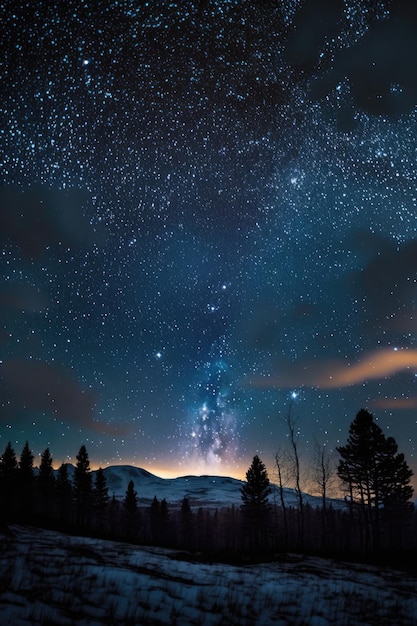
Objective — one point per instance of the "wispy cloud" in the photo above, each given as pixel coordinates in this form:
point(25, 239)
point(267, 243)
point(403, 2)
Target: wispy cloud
point(395, 403)
point(333, 374)
point(47, 387)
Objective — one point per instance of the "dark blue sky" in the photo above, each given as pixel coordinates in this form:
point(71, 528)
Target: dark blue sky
point(206, 207)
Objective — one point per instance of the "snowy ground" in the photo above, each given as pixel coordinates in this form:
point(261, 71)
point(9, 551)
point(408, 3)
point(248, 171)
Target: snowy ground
point(52, 578)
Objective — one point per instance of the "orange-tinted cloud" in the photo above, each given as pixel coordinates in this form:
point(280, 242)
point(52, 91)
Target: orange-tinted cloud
point(336, 374)
point(395, 403)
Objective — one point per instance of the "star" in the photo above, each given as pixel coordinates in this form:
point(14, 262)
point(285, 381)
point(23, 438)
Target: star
point(203, 225)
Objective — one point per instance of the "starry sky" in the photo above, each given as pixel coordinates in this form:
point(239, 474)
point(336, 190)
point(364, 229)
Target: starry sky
point(208, 214)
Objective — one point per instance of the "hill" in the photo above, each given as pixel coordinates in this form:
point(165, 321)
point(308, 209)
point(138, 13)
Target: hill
point(205, 491)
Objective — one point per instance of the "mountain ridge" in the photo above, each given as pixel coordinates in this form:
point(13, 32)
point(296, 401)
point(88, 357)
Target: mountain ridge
point(207, 490)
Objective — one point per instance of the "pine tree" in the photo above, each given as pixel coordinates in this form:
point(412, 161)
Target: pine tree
point(130, 502)
point(185, 506)
point(155, 508)
point(82, 486)
point(8, 465)
point(26, 478)
point(255, 492)
point(255, 503)
point(164, 509)
point(64, 492)
point(101, 499)
point(46, 485)
point(187, 526)
point(155, 517)
point(375, 476)
point(8, 484)
point(101, 492)
point(26, 465)
point(46, 472)
point(166, 531)
point(114, 516)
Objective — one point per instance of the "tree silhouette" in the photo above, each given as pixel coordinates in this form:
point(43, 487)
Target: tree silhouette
point(8, 465)
point(26, 483)
point(375, 476)
point(155, 517)
point(46, 485)
point(82, 486)
point(166, 531)
point(187, 534)
point(101, 498)
point(26, 464)
point(164, 509)
point(101, 492)
point(64, 492)
point(131, 498)
point(255, 502)
point(46, 472)
point(296, 470)
point(8, 484)
point(130, 505)
point(255, 492)
point(323, 472)
point(185, 506)
point(281, 464)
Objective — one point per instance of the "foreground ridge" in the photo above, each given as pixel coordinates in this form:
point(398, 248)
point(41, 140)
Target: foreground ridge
point(51, 577)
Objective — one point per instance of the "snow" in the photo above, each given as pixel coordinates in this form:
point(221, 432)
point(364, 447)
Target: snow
point(49, 577)
point(206, 491)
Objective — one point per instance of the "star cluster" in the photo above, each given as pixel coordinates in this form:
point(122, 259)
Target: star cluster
point(206, 216)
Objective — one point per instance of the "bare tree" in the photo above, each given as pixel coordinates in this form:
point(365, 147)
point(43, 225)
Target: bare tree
point(281, 464)
point(323, 475)
point(293, 437)
point(323, 472)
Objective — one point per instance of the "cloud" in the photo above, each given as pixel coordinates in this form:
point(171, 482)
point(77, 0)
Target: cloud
point(388, 284)
point(379, 66)
point(315, 22)
point(40, 218)
point(395, 403)
point(23, 297)
point(334, 374)
point(33, 385)
point(269, 322)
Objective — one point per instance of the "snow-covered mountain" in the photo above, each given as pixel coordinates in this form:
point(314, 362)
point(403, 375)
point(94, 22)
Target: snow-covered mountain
point(209, 491)
point(204, 491)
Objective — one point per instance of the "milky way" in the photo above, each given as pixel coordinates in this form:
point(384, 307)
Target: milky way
point(205, 207)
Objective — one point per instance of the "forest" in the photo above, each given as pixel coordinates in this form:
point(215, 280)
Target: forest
point(376, 520)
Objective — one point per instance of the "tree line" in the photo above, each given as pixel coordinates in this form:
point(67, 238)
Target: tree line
point(377, 516)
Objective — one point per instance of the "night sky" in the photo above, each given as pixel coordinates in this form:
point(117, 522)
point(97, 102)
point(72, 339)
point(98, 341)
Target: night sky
point(208, 214)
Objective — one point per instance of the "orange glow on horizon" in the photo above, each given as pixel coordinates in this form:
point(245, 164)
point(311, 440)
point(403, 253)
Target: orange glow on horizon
point(178, 470)
point(169, 472)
